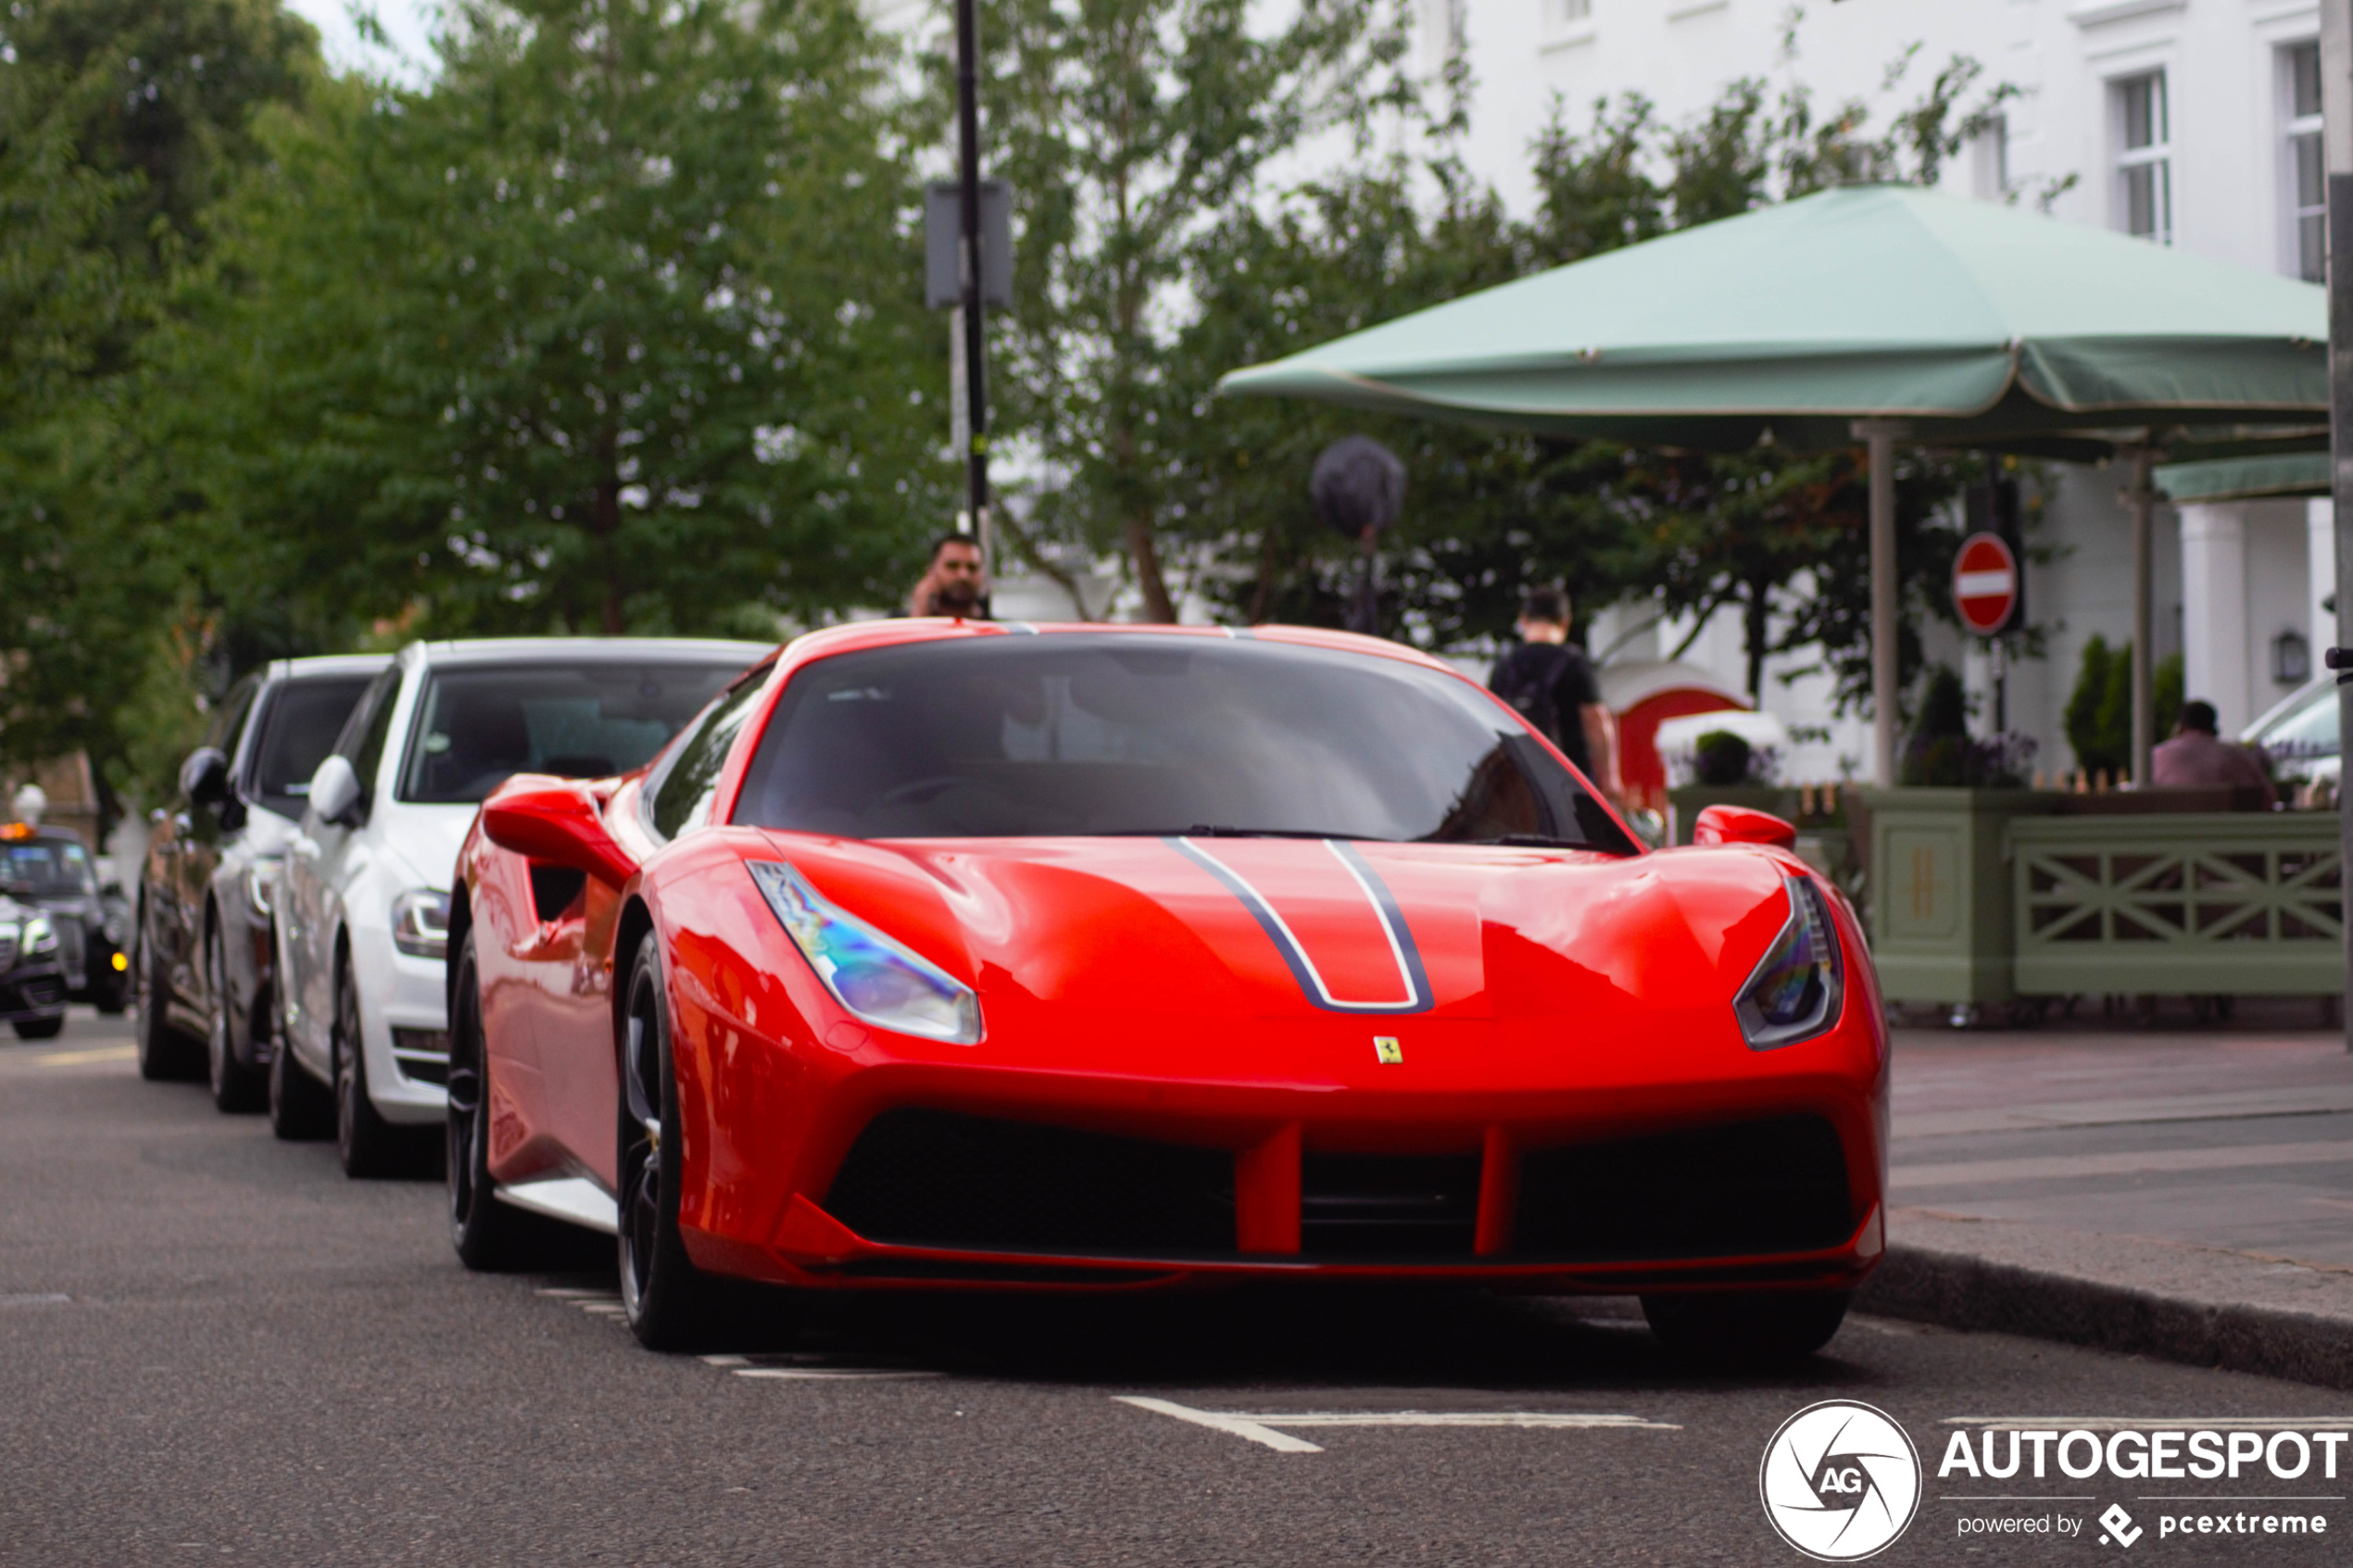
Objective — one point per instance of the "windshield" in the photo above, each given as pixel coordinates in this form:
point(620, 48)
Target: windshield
point(587, 720)
point(1076, 735)
point(46, 866)
point(300, 729)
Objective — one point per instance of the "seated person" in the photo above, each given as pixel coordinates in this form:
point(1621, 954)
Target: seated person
point(2196, 758)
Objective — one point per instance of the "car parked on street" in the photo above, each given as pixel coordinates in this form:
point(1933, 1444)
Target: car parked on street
point(364, 899)
point(2299, 734)
point(32, 983)
point(49, 867)
point(1053, 957)
point(206, 951)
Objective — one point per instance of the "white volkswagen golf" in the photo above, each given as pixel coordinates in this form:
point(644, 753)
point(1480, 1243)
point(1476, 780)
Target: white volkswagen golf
point(364, 900)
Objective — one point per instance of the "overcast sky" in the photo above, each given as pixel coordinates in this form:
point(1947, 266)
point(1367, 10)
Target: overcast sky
point(407, 22)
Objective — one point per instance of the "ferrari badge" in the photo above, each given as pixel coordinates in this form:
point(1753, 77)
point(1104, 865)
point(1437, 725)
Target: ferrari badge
point(1386, 1050)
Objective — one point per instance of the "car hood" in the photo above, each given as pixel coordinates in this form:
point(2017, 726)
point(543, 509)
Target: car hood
point(1310, 928)
point(425, 840)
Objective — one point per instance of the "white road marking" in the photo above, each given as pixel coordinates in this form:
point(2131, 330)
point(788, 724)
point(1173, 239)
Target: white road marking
point(833, 1375)
point(1264, 1426)
point(2060, 1167)
point(37, 1299)
point(565, 1293)
point(96, 1053)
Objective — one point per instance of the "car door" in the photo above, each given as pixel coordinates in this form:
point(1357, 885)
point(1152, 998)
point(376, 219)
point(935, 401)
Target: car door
point(563, 960)
point(194, 850)
point(316, 865)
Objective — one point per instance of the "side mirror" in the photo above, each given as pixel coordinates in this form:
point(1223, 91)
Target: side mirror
point(334, 793)
point(1737, 825)
point(204, 777)
point(556, 822)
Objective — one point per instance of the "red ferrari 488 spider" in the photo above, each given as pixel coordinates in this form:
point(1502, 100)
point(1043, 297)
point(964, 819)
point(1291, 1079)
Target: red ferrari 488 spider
point(944, 954)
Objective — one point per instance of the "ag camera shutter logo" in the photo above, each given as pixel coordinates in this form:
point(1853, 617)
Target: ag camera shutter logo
point(1840, 1481)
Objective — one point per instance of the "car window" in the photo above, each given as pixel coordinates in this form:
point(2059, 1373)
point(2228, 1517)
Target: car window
point(681, 795)
point(46, 866)
point(229, 719)
point(1083, 734)
point(298, 728)
point(363, 741)
point(480, 725)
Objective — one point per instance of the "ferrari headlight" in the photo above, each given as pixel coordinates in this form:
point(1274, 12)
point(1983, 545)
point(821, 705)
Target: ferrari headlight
point(260, 877)
point(877, 979)
point(1794, 993)
point(421, 924)
point(40, 937)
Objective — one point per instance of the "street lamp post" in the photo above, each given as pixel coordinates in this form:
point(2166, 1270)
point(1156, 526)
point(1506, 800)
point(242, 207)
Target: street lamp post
point(975, 365)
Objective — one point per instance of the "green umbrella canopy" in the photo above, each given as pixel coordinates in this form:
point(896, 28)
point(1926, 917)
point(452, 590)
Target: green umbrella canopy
point(1981, 323)
point(2244, 479)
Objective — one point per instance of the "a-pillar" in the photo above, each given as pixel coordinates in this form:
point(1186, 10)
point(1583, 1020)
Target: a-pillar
point(2214, 613)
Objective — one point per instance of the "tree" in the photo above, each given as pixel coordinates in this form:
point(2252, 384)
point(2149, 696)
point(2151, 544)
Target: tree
point(615, 328)
point(1127, 128)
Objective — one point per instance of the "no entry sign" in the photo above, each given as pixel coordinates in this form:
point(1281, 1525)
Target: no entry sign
point(1985, 583)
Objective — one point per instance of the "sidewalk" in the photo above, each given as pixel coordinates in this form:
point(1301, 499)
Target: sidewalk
point(2172, 1191)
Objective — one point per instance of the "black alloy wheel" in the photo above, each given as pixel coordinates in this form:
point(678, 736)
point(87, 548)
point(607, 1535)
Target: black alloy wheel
point(166, 1053)
point(368, 1145)
point(237, 1086)
point(490, 1236)
point(670, 1305)
point(1746, 1327)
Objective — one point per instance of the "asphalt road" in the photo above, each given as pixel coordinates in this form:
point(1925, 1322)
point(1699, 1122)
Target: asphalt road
point(214, 1347)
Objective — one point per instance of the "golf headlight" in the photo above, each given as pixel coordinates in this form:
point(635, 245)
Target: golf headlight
point(877, 979)
point(116, 929)
point(40, 937)
point(1794, 993)
point(421, 924)
point(260, 877)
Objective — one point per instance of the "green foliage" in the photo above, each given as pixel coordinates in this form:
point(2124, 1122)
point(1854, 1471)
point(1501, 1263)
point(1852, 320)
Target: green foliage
point(611, 330)
point(1127, 129)
point(1720, 757)
point(2099, 709)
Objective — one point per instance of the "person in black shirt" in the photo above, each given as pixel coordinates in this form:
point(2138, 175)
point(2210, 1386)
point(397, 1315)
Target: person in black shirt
point(1550, 684)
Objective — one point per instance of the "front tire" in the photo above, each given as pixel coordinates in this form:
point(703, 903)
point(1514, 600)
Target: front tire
point(670, 1304)
point(165, 1054)
point(301, 1108)
point(1746, 1327)
point(367, 1144)
point(236, 1087)
point(490, 1236)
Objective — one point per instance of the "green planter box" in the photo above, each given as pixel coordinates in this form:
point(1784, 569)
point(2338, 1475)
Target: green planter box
point(1940, 907)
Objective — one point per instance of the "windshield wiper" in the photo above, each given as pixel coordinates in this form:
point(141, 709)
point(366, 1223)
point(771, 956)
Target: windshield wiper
point(1216, 830)
point(1521, 841)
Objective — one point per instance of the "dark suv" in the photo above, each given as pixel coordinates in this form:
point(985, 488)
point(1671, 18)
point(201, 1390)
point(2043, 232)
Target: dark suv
point(47, 868)
point(205, 942)
point(32, 986)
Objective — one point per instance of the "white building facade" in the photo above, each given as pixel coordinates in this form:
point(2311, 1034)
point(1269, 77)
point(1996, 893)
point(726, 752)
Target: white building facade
point(2191, 122)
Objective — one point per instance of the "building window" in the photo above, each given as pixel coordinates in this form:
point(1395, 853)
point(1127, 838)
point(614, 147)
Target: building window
point(1990, 155)
point(2144, 164)
point(2306, 188)
point(1568, 13)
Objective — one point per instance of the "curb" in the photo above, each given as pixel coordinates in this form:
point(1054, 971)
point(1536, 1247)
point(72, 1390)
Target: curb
point(2208, 1321)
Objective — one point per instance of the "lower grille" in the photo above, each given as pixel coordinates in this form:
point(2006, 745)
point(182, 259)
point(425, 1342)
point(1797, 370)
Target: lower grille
point(423, 1055)
point(931, 1178)
point(1388, 1206)
point(1753, 1188)
point(42, 991)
